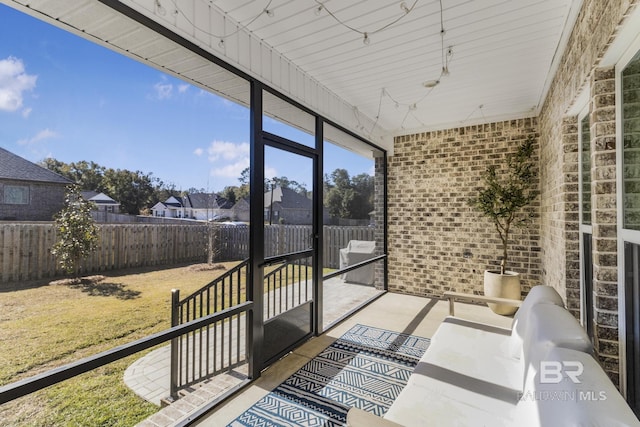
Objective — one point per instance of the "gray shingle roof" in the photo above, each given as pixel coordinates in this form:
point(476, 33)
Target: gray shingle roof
point(288, 199)
point(17, 168)
point(206, 201)
point(98, 198)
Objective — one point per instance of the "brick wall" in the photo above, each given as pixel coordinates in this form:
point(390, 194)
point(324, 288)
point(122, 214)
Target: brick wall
point(596, 25)
point(44, 201)
point(604, 215)
point(437, 242)
point(563, 270)
point(595, 29)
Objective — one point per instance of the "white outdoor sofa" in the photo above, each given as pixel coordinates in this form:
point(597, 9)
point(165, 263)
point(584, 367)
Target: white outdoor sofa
point(539, 373)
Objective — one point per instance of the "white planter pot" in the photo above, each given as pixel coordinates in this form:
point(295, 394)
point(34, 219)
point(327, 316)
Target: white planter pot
point(505, 285)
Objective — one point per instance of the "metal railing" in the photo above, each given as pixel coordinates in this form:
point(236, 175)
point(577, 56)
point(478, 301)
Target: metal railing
point(54, 376)
point(215, 348)
point(222, 346)
point(288, 285)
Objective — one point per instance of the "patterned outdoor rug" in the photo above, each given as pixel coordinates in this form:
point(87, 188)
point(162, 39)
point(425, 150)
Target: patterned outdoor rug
point(365, 368)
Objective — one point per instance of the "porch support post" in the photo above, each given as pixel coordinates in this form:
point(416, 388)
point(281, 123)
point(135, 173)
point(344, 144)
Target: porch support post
point(255, 321)
point(318, 228)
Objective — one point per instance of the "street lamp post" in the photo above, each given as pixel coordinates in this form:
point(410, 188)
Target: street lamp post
point(273, 186)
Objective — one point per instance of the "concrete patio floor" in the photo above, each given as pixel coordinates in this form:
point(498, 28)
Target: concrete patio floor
point(396, 312)
point(148, 377)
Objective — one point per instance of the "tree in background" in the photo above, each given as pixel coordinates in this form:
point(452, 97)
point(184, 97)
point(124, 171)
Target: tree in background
point(348, 197)
point(88, 175)
point(285, 182)
point(277, 181)
point(77, 234)
point(229, 193)
point(135, 191)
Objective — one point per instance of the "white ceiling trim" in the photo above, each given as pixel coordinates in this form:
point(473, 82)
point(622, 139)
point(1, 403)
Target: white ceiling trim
point(243, 50)
point(505, 54)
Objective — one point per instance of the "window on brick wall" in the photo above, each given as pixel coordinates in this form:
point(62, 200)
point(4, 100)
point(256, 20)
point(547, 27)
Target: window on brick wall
point(631, 143)
point(16, 194)
point(585, 169)
point(629, 228)
point(586, 245)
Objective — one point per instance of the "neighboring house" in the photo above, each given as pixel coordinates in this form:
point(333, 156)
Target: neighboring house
point(285, 206)
point(29, 192)
point(171, 208)
point(198, 206)
point(241, 211)
point(103, 203)
point(207, 206)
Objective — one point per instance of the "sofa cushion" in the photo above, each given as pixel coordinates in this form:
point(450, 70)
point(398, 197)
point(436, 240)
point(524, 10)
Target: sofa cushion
point(553, 397)
point(472, 336)
point(457, 344)
point(540, 294)
point(464, 378)
point(552, 326)
point(428, 404)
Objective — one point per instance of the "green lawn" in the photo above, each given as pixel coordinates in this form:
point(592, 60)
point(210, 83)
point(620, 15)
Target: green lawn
point(52, 324)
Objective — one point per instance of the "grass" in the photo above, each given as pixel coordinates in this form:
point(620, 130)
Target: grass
point(46, 326)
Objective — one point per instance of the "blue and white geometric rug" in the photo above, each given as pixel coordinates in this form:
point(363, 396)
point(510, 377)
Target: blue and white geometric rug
point(365, 368)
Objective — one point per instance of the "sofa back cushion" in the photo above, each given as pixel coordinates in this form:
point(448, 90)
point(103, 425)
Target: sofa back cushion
point(571, 389)
point(552, 326)
point(540, 294)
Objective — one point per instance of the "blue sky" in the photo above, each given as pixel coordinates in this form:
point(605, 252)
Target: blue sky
point(67, 98)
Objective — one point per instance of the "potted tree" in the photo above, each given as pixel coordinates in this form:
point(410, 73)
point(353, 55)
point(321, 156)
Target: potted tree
point(504, 194)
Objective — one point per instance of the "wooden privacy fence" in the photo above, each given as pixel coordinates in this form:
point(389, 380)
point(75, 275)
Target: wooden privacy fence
point(282, 239)
point(25, 247)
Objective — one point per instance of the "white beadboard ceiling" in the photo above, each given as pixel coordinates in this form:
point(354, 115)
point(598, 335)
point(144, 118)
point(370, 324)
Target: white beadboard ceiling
point(503, 53)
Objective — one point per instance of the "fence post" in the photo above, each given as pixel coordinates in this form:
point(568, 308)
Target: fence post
point(175, 346)
point(282, 244)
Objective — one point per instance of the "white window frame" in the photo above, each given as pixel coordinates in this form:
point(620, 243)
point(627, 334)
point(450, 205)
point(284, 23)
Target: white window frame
point(624, 235)
point(583, 101)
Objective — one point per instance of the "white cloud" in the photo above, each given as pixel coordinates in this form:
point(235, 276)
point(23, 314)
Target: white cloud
point(166, 90)
point(198, 152)
point(229, 159)
point(227, 151)
point(14, 81)
point(203, 93)
point(232, 170)
point(163, 90)
point(43, 135)
point(26, 112)
point(270, 173)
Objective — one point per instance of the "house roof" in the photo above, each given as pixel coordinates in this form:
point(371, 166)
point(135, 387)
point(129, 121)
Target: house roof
point(206, 201)
point(15, 167)
point(242, 203)
point(98, 198)
point(174, 201)
point(287, 199)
